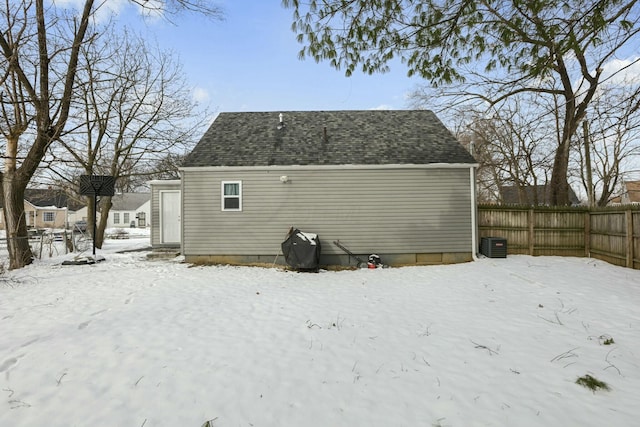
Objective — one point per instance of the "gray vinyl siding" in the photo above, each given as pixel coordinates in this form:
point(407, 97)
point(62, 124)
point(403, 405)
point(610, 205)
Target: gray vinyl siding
point(154, 221)
point(401, 210)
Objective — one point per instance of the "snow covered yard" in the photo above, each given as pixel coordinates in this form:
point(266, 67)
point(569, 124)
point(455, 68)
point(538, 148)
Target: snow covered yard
point(497, 342)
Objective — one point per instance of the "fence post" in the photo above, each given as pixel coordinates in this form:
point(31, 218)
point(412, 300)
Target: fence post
point(531, 216)
point(628, 216)
point(587, 234)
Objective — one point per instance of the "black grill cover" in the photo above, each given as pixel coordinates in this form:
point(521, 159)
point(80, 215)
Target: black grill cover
point(301, 250)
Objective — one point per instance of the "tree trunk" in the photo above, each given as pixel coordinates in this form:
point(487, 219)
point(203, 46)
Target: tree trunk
point(13, 189)
point(587, 160)
point(105, 207)
point(559, 191)
point(559, 184)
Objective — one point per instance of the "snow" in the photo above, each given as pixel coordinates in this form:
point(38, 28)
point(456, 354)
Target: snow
point(497, 342)
point(310, 237)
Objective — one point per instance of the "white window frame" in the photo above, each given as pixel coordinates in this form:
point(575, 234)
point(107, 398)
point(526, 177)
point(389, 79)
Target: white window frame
point(49, 214)
point(223, 196)
point(125, 218)
point(116, 217)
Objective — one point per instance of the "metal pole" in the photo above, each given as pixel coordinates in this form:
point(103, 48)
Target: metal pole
point(95, 215)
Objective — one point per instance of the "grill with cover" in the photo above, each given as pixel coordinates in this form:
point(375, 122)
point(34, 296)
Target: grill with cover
point(301, 250)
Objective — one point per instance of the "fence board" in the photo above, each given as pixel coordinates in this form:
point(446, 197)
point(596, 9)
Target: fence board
point(612, 235)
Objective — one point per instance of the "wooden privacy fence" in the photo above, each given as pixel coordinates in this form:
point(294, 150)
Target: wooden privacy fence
point(609, 234)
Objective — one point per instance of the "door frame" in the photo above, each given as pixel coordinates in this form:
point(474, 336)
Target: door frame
point(161, 194)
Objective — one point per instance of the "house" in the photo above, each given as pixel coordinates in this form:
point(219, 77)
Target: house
point(45, 208)
point(630, 194)
point(531, 195)
point(129, 210)
point(394, 183)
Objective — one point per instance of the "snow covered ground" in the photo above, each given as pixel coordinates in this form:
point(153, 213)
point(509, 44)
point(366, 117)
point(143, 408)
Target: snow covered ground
point(497, 342)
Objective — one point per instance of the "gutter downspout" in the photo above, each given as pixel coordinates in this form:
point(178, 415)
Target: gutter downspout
point(474, 219)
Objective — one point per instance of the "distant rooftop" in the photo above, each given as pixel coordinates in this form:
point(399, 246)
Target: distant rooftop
point(129, 201)
point(49, 197)
point(531, 195)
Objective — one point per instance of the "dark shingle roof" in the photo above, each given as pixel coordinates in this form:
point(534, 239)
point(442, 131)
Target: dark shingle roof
point(327, 138)
point(49, 197)
point(511, 194)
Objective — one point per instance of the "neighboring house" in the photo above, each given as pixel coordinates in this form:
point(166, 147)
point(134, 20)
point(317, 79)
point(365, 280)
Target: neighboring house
point(45, 208)
point(394, 183)
point(630, 194)
point(130, 210)
point(127, 208)
point(78, 215)
point(531, 195)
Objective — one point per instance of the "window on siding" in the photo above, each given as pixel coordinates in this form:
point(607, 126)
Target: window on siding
point(48, 216)
point(126, 217)
point(231, 195)
point(116, 218)
point(142, 219)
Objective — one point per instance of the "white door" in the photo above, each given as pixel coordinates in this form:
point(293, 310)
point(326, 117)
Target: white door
point(169, 216)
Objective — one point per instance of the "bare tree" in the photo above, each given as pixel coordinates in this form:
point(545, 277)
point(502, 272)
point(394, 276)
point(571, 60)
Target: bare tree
point(513, 144)
point(39, 52)
point(612, 136)
point(31, 109)
point(133, 109)
point(166, 167)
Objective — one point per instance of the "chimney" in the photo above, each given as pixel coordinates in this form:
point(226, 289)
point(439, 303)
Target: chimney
point(281, 124)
